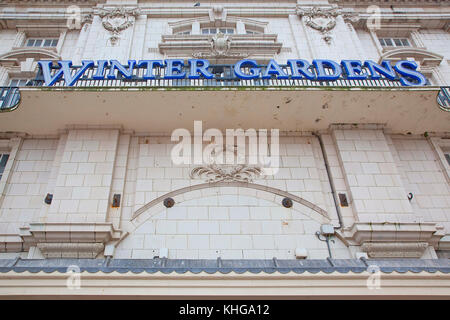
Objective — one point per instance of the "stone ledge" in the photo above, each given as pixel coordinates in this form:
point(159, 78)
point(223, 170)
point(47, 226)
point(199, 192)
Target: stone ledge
point(444, 243)
point(81, 238)
point(394, 239)
point(69, 232)
point(10, 243)
point(361, 232)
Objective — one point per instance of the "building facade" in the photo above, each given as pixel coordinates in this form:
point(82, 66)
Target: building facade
point(88, 178)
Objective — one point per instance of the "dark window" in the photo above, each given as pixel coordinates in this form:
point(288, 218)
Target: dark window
point(3, 160)
point(18, 82)
point(447, 156)
point(48, 42)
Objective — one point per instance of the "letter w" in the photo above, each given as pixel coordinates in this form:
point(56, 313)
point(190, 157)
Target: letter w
point(64, 70)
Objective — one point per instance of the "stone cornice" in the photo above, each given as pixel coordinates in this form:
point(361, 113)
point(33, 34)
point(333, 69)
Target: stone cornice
point(45, 3)
point(239, 11)
point(391, 2)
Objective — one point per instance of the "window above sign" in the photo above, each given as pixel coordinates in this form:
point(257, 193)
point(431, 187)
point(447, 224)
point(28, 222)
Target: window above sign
point(217, 30)
point(252, 32)
point(447, 157)
point(16, 82)
point(3, 160)
point(41, 42)
point(394, 42)
point(183, 33)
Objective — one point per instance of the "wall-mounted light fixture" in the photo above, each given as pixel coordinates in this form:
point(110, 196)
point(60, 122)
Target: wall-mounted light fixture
point(287, 203)
point(116, 201)
point(48, 198)
point(343, 200)
point(169, 202)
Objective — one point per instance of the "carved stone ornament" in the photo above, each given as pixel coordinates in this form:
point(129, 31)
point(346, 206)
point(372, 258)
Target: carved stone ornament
point(220, 47)
point(116, 20)
point(351, 17)
point(87, 19)
point(215, 173)
point(320, 19)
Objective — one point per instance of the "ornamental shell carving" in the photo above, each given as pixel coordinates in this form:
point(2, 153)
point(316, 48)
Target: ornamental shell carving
point(215, 173)
point(118, 19)
point(220, 44)
point(220, 47)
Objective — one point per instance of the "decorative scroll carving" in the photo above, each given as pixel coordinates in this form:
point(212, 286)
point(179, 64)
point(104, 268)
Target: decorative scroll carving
point(351, 17)
point(87, 19)
point(116, 20)
point(320, 19)
point(215, 173)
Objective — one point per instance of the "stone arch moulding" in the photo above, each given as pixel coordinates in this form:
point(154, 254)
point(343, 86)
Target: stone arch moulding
point(35, 53)
point(187, 23)
point(23, 62)
point(235, 184)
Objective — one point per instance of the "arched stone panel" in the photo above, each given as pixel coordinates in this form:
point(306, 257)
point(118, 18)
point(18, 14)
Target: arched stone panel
point(227, 222)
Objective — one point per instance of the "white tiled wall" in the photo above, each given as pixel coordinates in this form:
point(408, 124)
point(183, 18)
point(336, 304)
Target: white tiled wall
point(82, 189)
point(84, 168)
point(234, 223)
point(27, 187)
point(422, 176)
point(372, 176)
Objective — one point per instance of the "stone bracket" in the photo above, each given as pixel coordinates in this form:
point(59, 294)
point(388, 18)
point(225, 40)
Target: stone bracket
point(394, 239)
point(64, 240)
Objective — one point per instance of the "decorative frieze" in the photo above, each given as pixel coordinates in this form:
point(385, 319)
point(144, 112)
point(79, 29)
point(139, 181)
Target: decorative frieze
point(220, 48)
point(216, 173)
point(232, 47)
point(394, 250)
point(70, 250)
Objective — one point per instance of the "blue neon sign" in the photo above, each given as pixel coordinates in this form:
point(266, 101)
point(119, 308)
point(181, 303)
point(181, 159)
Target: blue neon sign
point(246, 69)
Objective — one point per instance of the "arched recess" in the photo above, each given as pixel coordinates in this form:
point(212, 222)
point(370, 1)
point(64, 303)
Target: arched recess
point(234, 184)
point(22, 62)
point(244, 222)
point(427, 60)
